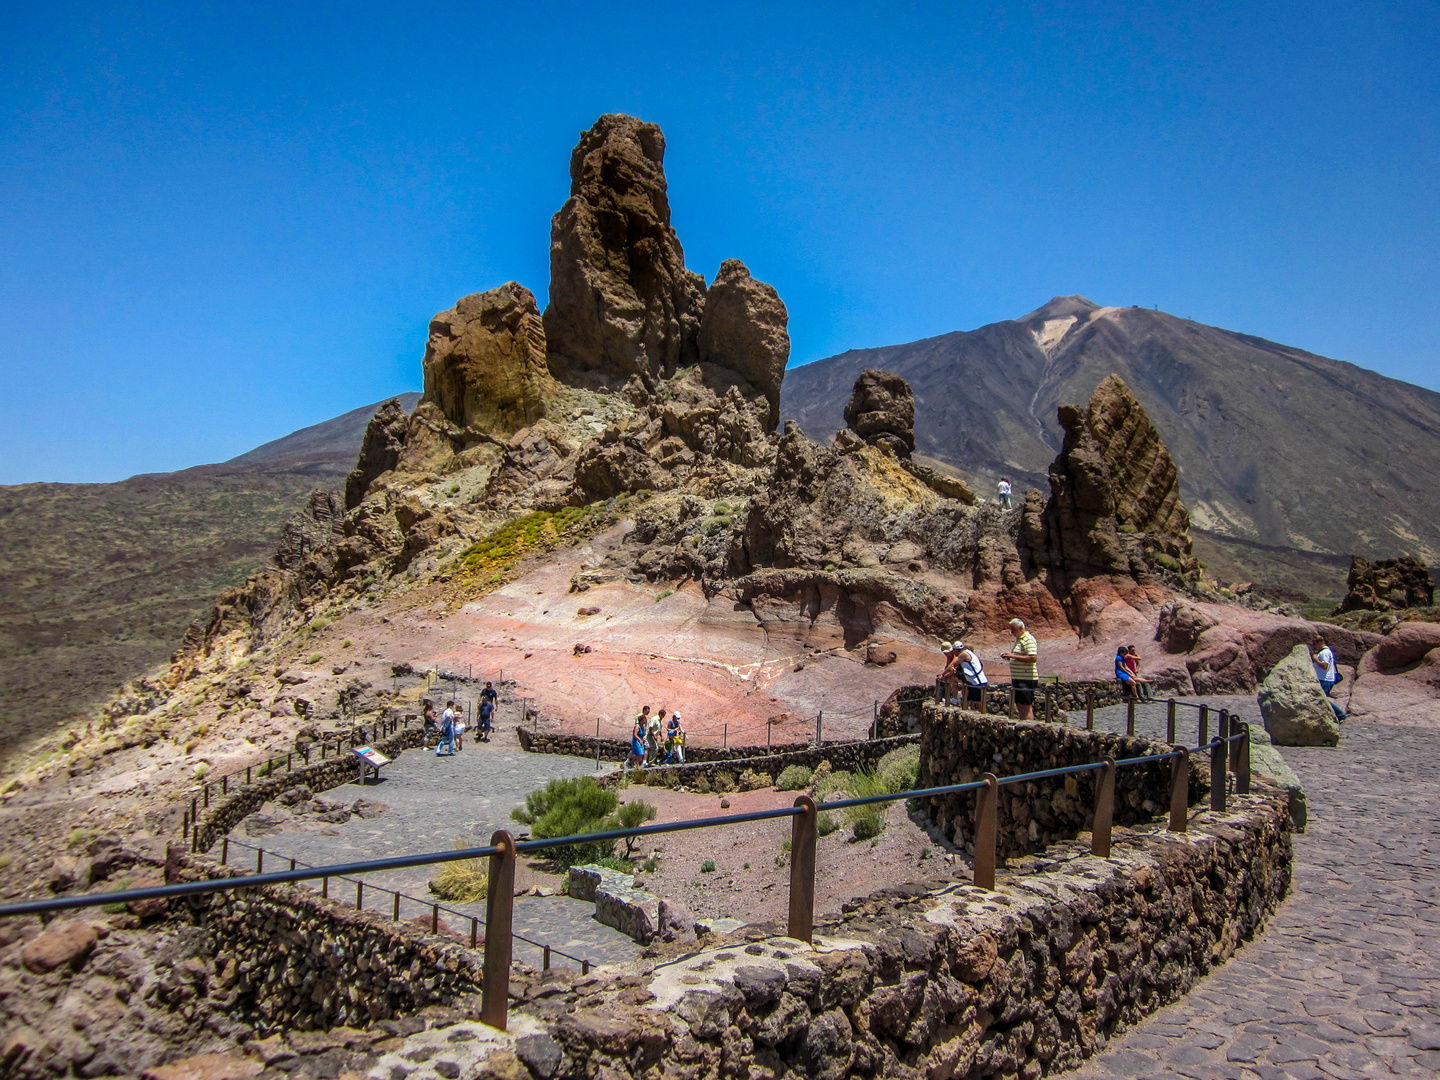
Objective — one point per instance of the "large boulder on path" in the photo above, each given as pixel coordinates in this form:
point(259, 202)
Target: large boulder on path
point(1295, 708)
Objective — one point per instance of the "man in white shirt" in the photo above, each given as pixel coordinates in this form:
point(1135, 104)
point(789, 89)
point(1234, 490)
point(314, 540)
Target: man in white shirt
point(1325, 670)
point(1002, 489)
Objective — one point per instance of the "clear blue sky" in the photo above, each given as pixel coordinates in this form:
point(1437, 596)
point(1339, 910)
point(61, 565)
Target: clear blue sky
point(222, 222)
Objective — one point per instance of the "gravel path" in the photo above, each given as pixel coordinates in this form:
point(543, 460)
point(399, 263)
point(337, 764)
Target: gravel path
point(1345, 981)
point(433, 802)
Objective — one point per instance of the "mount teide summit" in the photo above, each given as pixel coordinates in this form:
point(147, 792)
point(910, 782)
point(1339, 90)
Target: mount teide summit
point(1276, 446)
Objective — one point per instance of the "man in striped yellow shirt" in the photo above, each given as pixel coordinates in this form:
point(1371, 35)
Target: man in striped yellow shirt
point(1024, 676)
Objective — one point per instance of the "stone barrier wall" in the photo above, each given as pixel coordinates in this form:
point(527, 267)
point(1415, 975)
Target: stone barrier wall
point(227, 811)
point(957, 747)
point(727, 775)
point(941, 981)
point(558, 742)
point(295, 959)
point(900, 714)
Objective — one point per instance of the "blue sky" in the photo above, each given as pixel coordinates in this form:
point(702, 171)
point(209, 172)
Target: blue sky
point(220, 222)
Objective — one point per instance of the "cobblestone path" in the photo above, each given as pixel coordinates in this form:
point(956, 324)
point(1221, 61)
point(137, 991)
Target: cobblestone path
point(1345, 980)
point(433, 802)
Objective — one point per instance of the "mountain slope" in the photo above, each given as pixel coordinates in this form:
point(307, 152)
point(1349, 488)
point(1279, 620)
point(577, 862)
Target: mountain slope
point(1276, 446)
point(99, 581)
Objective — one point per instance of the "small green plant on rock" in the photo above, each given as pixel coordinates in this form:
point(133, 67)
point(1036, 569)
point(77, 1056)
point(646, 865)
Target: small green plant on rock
point(794, 778)
point(708, 866)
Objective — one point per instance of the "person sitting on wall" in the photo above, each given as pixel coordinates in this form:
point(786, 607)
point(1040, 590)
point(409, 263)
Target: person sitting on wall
point(973, 672)
point(1123, 673)
point(1142, 684)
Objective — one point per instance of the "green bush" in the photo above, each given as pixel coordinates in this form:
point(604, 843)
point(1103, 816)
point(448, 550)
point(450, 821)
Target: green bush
point(708, 866)
point(632, 815)
point(899, 770)
point(314, 658)
point(831, 782)
point(568, 808)
point(794, 778)
point(826, 824)
point(614, 862)
point(868, 822)
point(750, 780)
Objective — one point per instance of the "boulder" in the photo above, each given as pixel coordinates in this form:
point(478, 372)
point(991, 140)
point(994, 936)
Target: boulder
point(1295, 708)
point(622, 303)
point(744, 330)
point(485, 364)
point(379, 450)
point(1265, 760)
point(881, 410)
point(62, 943)
point(1399, 679)
point(1387, 584)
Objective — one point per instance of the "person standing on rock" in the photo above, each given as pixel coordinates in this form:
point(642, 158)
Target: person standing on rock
point(1327, 672)
point(973, 672)
point(1002, 489)
point(1024, 671)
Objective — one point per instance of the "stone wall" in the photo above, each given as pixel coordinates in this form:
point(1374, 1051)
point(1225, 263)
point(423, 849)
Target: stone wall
point(558, 742)
point(957, 747)
point(934, 980)
point(227, 811)
point(727, 775)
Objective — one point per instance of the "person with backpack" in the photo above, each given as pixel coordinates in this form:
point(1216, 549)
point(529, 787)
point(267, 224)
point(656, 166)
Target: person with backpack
point(973, 672)
point(446, 748)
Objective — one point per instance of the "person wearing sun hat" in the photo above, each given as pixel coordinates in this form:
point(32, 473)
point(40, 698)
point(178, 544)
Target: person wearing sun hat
point(973, 672)
point(950, 677)
point(674, 741)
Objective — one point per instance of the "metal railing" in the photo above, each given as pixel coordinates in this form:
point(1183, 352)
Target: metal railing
point(1233, 743)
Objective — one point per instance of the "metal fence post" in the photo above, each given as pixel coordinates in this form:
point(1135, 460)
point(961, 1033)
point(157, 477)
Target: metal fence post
point(1170, 721)
point(819, 727)
point(1090, 710)
point(395, 911)
point(359, 895)
point(1219, 780)
point(499, 911)
point(1130, 717)
point(1180, 790)
point(206, 792)
point(1242, 765)
point(1104, 810)
point(802, 871)
point(1230, 727)
point(1204, 726)
point(985, 812)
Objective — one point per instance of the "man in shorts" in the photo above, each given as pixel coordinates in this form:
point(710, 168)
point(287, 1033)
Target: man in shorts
point(973, 672)
point(1024, 656)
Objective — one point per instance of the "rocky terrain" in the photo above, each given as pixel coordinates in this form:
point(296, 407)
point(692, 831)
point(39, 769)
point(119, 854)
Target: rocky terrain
point(99, 581)
point(1357, 447)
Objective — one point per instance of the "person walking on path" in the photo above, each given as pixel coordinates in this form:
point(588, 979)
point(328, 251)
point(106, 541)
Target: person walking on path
point(1327, 672)
point(1024, 657)
point(446, 748)
point(1142, 685)
point(1002, 489)
point(973, 672)
point(432, 723)
point(637, 738)
point(653, 737)
point(488, 697)
point(460, 727)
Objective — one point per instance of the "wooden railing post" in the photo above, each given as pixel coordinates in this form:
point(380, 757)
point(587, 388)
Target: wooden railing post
point(1130, 717)
point(1010, 701)
point(1180, 790)
point(1204, 726)
point(225, 851)
point(1170, 721)
point(1219, 778)
point(1104, 810)
point(499, 914)
point(802, 870)
point(986, 807)
point(1090, 709)
point(395, 910)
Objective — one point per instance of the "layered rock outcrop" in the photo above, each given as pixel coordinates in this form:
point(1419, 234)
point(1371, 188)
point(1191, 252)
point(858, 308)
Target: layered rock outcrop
point(881, 410)
point(744, 330)
point(1387, 585)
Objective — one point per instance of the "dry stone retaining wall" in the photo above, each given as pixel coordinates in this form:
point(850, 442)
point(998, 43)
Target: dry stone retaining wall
point(958, 747)
point(729, 775)
point(901, 712)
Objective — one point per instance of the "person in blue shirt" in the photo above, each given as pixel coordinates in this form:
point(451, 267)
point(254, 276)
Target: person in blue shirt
point(1123, 672)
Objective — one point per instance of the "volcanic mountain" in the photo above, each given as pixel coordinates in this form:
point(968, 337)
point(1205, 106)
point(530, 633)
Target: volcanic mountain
point(1288, 461)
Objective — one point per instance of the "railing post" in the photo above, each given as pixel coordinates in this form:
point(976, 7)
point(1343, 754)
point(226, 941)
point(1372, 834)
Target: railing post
point(360, 895)
point(985, 811)
point(206, 792)
point(225, 851)
point(1219, 779)
point(499, 910)
point(325, 887)
point(1010, 701)
point(1049, 706)
point(259, 861)
point(1170, 721)
point(1180, 790)
point(1104, 810)
point(225, 784)
point(545, 961)
point(1090, 709)
point(819, 727)
point(395, 911)
point(1130, 717)
point(247, 774)
point(1204, 726)
point(802, 870)
point(1242, 765)
point(1229, 728)
point(185, 825)
point(474, 931)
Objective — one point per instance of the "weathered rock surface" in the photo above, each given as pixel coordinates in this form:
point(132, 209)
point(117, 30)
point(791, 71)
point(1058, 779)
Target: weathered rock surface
point(1295, 708)
point(485, 364)
point(881, 411)
point(621, 301)
point(379, 450)
point(1387, 584)
point(1114, 506)
point(1399, 679)
point(206, 1067)
point(63, 943)
point(744, 330)
point(1265, 760)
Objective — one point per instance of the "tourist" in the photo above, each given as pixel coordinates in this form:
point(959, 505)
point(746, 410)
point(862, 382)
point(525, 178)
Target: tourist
point(973, 672)
point(460, 728)
point(1024, 673)
point(487, 714)
point(1123, 673)
point(949, 679)
point(1327, 672)
point(654, 734)
point(675, 742)
point(432, 722)
point(1003, 490)
point(1142, 685)
point(446, 747)
point(637, 738)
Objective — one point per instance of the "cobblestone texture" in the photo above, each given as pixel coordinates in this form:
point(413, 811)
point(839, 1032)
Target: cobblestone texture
point(1345, 982)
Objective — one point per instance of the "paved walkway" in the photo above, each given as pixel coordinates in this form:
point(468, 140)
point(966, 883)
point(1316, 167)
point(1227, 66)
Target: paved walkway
point(1345, 980)
point(435, 801)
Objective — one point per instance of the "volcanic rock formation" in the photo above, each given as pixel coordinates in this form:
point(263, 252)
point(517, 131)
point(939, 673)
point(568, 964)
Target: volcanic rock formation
point(1387, 584)
point(881, 410)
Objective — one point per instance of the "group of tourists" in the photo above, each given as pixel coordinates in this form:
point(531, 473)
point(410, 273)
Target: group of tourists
point(655, 740)
point(962, 663)
point(1127, 670)
point(448, 727)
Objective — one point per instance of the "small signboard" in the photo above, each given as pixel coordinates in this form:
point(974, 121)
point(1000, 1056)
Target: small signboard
point(368, 755)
